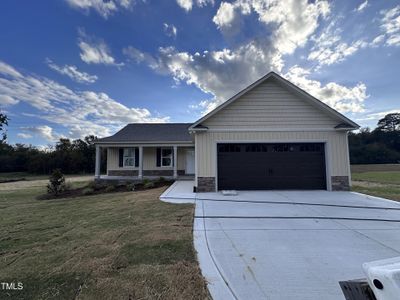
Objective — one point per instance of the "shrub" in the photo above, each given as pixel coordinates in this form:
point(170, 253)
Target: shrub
point(96, 185)
point(56, 183)
point(110, 188)
point(148, 185)
point(145, 181)
point(161, 179)
point(130, 187)
point(88, 191)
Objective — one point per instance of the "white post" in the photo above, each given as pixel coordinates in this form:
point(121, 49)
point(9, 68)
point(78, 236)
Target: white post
point(97, 164)
point(140, 162)
point(175, 161)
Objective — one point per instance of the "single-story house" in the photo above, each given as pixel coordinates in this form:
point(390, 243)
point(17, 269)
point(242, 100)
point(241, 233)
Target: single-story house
point(271, 135)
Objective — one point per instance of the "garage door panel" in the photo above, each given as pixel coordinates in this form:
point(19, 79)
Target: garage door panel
point(271, 166)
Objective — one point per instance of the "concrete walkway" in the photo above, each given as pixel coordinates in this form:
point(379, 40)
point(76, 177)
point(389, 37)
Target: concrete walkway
point(290, 245)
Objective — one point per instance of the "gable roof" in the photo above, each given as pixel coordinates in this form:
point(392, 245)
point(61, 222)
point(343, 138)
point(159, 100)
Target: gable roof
point(290, 87)
point(151, 132)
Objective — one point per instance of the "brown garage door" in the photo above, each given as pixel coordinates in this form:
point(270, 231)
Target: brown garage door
point(271, 166)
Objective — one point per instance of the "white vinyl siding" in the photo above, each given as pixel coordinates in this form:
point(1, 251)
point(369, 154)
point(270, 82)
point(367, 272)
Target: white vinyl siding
point(270, 106)
point(336, 147)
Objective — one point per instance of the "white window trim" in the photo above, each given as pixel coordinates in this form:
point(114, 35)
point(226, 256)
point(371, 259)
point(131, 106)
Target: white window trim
point(133, 156)
point(172, 157)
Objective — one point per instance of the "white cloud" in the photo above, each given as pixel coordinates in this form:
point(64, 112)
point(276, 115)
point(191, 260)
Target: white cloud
point(43, 131)
point(72, 72)
point(378, 40)
point(222, 73)
point(225, 15)
point(362, 6)
point(170, 30)
point(378, 115)
point(24, 135)
point(104, 8)
point(81, 112)
point(95, 51)
point(329, 48)
point(6, 100)
point(390, 25)
point(342, 98)
point(139, 56)
point(293, 21)
point(188, 4)
point(333, 50)
point(8, 70)
point(219, 73)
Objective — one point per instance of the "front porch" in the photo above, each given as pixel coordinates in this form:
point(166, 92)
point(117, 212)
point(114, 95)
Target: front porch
point(135, 162)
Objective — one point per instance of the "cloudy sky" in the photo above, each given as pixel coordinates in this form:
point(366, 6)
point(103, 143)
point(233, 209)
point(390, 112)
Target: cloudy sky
point(70, 68)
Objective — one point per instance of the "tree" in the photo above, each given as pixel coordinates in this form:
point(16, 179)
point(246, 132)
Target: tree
point(391, 122)
point(56, 183)
point(3, 122)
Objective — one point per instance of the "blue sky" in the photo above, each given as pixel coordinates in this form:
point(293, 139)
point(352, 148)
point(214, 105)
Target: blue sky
point(69, 68)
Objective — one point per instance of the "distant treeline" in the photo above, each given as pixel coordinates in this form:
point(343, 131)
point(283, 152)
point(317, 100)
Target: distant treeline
point(72, 157)
point(374, 147)
point(381, 145)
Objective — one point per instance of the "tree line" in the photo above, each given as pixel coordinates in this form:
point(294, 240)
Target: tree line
point(378, 146)
point(381, 145)
point(71, 157)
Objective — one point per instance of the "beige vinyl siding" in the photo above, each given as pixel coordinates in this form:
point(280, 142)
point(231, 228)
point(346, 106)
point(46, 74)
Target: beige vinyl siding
point(149, 159)
point(337, 155)
point(270, 106)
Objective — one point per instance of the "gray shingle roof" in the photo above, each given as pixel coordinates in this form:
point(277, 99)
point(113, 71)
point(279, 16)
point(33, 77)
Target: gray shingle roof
point(151, 132)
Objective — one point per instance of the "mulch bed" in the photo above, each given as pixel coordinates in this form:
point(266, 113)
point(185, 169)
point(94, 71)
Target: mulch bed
point(96, 189)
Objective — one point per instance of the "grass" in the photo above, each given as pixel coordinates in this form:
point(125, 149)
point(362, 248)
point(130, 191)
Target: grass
point(384, 183)
point(113, 246)
point(18, 176)
point(378, 177)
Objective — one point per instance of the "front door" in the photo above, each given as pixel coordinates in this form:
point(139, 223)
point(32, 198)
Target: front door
point(190, 161)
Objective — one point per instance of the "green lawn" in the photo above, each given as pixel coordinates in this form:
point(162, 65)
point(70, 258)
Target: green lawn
point(384, 184)
point(17, 176)
point(114, 246)
point(379, 177)
point(24, 176)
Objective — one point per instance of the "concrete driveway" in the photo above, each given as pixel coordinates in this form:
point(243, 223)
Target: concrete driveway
point(289, 245)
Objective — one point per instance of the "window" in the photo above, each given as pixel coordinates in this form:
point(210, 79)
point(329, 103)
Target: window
point(310, 148)
point(129, 157)
point(166, 157)
point(229, 148)
point(256, 148)
point(280, 148)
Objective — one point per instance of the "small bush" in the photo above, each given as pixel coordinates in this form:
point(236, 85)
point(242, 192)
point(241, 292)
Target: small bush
point(87, 191)
point(110, 188)
point(148, 185)
point(161, 179)
point(56, 183)
point(97, 186)
point(130, 187)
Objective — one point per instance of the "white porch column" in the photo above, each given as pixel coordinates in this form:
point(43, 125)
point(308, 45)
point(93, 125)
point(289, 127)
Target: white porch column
point(175, 161)
point(140, 174)
point(97, 164)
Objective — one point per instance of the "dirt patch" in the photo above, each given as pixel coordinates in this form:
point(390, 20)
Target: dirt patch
point(16, 185)
point(370, 184)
